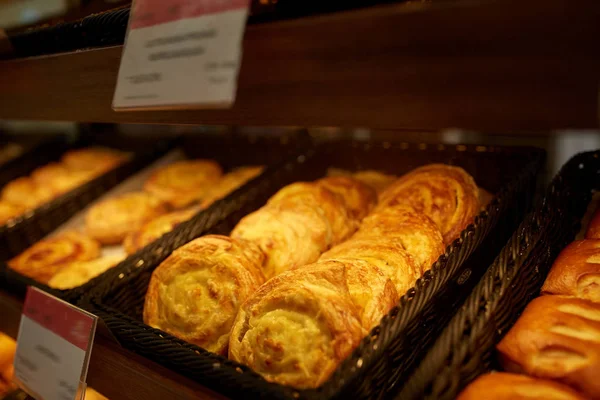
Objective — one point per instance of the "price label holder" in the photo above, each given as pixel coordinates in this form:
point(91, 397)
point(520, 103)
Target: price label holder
point(181, 54)
point(54, 346)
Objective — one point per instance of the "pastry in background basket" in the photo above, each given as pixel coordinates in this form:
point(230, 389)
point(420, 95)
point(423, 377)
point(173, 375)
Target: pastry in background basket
point(77, 273)
point(358, 197)
point(230, 182)
point(9, 211)
point(576, 271)
point(375, 179)
point(95, 160)
point(184, 182)
point(24, 192)
point(505, 386)
point(196, 292)
point(59, 178)
point(297, 327)
point(558, 338)
point(111, 220)
point(48, 256)
point(446, 194)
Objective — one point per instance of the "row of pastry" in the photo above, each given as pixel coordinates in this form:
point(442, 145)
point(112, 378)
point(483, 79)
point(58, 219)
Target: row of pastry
point(172, 194)
point(47, 182)
point(556, 341)
point(299, 282)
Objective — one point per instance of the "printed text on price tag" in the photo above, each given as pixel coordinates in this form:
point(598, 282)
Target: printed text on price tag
point(181, 54)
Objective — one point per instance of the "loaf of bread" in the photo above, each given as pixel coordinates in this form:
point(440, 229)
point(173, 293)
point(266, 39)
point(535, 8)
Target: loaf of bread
point(558, 338)
point(196, 292)
point(506, 386)
point(576, 271)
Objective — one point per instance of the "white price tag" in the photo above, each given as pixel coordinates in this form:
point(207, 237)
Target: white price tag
point(181, 54)
point(53, 347)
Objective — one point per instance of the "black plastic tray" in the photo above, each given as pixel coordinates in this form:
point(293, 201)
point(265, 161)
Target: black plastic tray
point(394, 346)
point(466, 348)
point(229, 149)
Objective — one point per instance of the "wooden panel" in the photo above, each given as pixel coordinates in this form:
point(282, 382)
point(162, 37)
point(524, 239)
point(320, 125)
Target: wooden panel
point(118, 373)
point(490, 65)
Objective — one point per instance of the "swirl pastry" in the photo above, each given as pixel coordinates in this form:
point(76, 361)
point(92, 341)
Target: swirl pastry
point(155, 228)
point(95, 160)
point(416, 232)
point(184, 182)
point(59, 178)
point(196, 292)
point(576, 271)
point(231, 182)
point(358, 197)
point(78, 273)
point(111, 220)
point(558, 338)
point(446, 194)
point(505, 386)
point(388, 256)
point(297, 327)
point(25, 193)
point(9, 211)
point(47, 257)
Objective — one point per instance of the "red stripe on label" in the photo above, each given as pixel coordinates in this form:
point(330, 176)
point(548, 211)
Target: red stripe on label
point(153, 12)
point(59, 317)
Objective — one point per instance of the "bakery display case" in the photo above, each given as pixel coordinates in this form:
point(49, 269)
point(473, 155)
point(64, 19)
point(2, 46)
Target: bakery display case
point(373, 216)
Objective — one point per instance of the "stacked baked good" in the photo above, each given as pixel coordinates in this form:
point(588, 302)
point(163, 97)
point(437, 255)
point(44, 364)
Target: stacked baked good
point(75, 168)
point(171, 195)
point(320, 264)
point(556, 341)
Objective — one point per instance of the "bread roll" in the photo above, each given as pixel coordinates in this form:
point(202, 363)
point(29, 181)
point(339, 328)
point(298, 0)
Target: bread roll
point(505, 386)
point(111, 220)
point(358, 197)
point(95, 160)
point(48, 256)
point(387, 255)
point(230, 182)
point(416, 232)
point(297, 327)
point(24, 192)
point(446, 194)
point(196, 292)
point(155, 228)
point(9, 211)
point(79, 273)
point(593, 230)
point(184, 182)
point(558, 338)
point(576, 271)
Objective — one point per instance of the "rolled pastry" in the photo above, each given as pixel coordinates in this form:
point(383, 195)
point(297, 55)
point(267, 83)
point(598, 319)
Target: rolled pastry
point(95, 160)
point(358, 197)
point(79, 273)
point(196, 292)
point(24, 192)
point(59, 178)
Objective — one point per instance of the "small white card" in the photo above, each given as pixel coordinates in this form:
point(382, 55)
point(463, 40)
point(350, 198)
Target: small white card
point(181, 54)
point(53, 347)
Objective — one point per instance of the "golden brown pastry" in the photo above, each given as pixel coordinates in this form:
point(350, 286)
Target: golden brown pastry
point(417, 233)
point(505, 386)
point(558, 338)
point(446, 194)
point(372, 292)
point(48, 256)
point(230, 182)
point(358, 197)
point(78, 273)
point(196, 292)
point(297, 327)
point(184, 182)
point(111, 220)
point(96, 160)
point(389, 256)
point(593, 231)
point(156, 228)
point(576, 271)
point(9, 211)
point(23, 192)
point(377, 180)
point(59, 178)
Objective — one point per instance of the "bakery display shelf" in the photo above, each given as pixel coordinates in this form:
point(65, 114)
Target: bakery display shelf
point(392, 348)
point(466, 348)
point(116, 372)
point(496, 65)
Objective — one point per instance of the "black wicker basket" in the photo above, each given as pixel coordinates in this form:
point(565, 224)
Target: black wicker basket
point(466, 348)
point(395, 345)
point(229, 149)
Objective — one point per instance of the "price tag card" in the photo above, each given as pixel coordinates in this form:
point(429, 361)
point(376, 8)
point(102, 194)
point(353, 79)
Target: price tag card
point(181, 54)
point(53, 347)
